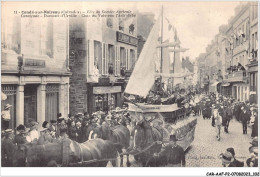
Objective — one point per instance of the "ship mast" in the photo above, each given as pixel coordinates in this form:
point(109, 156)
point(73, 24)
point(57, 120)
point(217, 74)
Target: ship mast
point(161, 70)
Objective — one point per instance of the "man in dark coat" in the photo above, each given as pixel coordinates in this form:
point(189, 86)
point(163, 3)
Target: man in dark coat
point(235, 163)
point(172, 155)
point(255, 124)
point(8, 149)
point(245, 117)
point(20, 139)
point(238, 111)
point(228, 159)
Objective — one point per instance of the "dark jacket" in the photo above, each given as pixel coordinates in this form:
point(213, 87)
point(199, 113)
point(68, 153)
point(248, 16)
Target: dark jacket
point(236, 163)
point(8, 152)
point(172, 155)
point(72, 133)
point(245, 116)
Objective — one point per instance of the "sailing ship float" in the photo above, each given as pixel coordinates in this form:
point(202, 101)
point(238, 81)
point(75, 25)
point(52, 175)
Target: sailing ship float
point(174, 119)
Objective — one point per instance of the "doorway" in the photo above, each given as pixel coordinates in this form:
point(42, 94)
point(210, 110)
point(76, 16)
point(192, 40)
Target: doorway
point(30, 103)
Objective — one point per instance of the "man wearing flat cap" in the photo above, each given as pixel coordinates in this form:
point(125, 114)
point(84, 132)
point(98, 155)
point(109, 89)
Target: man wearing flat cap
point(172, 155)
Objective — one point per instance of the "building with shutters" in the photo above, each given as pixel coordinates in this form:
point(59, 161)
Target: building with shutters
point(103, 52)
point(235, 56)
point(237, 51)
point(253, 57)
point(35, 75)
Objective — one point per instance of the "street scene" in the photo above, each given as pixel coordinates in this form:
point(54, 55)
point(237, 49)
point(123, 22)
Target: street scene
point(137, 85)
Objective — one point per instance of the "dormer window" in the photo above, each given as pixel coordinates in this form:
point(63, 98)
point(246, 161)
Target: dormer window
point(131, 29)
point(121, 25)
point(110, 22)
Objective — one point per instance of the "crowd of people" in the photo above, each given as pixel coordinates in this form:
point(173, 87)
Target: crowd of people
point(78, 128)
point(220, 109)
point(229, 158)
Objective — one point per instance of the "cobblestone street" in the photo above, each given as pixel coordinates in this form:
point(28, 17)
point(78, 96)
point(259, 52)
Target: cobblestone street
point(205, 149)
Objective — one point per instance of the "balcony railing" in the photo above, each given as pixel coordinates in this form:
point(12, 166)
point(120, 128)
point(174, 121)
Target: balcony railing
point(238, 76)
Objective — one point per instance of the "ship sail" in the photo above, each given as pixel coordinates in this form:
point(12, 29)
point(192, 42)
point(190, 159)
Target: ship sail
point(142, 78)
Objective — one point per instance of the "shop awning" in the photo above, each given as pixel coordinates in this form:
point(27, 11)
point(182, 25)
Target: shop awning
point(215, 84)
point(225, 84)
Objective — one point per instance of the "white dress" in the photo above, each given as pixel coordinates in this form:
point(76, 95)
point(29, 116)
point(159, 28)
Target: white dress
point(34, 134)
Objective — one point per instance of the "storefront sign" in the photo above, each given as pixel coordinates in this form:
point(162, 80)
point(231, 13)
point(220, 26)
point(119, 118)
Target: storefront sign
point(104, 90)
point(121, 37)
point(34, 63)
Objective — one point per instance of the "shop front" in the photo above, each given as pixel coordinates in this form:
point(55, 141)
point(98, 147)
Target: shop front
point(35, 97)
point(104, 98)
point(226, 89)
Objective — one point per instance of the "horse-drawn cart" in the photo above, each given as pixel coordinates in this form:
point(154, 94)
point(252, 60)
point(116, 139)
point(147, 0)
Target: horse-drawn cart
point(170, 118)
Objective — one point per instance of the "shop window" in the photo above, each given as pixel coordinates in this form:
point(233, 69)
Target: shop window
point(101, 102)
point(98, 102)
point(52, 102)
point(30, 103)
point(112, 102)
point(10, 92)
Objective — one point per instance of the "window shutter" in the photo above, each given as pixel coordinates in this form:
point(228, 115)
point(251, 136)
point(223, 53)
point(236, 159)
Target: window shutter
point(103, 55)
point(91, 56)
point(106, 60)
point(118, 61)
point(127, 59)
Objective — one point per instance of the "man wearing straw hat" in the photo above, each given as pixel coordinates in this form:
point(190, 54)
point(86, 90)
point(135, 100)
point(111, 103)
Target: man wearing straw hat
point(6, 116)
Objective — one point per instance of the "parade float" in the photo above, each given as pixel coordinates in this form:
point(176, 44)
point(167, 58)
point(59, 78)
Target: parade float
point(171, 118)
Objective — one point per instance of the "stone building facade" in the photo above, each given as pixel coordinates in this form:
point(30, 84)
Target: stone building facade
point(236, 55)
point(35, 75)
point(103, 52)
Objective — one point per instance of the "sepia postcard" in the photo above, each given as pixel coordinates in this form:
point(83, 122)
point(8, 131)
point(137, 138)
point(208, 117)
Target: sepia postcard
point(170, 87)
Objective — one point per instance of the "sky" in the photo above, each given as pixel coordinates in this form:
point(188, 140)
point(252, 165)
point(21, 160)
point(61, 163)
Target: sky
point(196, 22)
